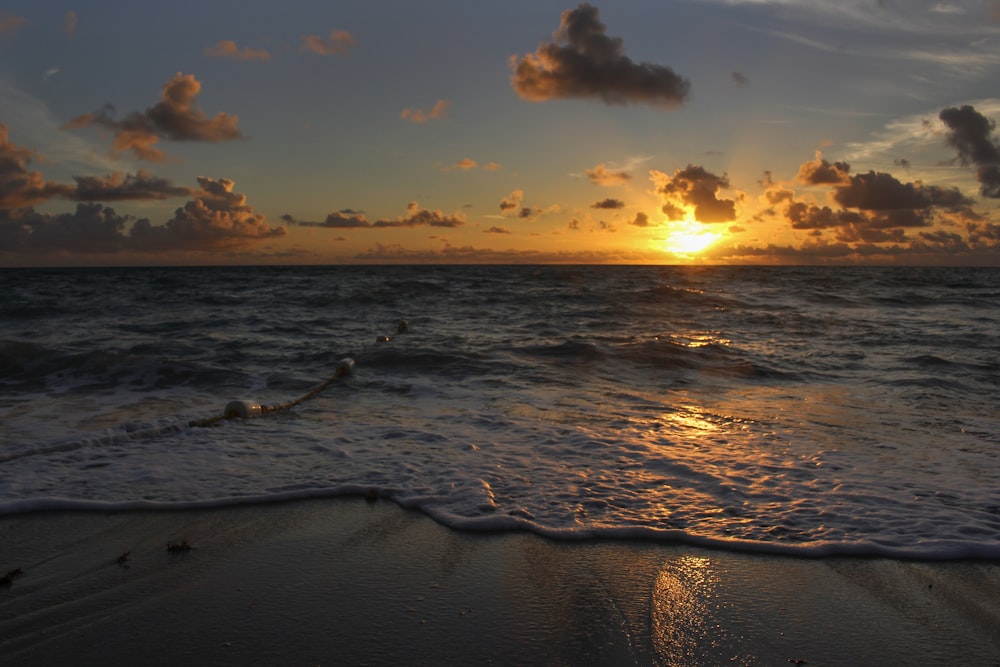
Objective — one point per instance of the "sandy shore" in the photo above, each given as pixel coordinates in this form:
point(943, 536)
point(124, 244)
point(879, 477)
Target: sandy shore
point(331, 582)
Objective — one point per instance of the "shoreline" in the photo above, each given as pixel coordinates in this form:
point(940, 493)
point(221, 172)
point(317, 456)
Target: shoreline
point(344, 581)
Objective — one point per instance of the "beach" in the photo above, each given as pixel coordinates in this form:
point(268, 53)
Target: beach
point(346, 581)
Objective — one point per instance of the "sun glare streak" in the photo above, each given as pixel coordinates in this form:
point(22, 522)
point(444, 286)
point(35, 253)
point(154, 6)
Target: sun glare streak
point(688, 237)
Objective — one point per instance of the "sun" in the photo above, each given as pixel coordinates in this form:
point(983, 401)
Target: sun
point(688, 237)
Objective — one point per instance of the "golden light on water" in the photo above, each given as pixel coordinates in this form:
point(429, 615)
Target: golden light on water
point(688, 237)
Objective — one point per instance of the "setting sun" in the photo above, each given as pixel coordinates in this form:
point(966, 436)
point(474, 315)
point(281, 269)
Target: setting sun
point(688, 237)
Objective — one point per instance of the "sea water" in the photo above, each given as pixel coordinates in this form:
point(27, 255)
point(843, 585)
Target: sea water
point(808, 411)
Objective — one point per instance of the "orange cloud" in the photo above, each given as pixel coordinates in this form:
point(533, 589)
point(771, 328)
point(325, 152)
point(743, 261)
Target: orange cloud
point(466, 164)
point(175, 117)
point(18, 186)
point(227, 48)
point(339, 43)
point(417, 217)
point(439, 110)
point(582, 61)
point(600, 175)
point(69, 22)
point(10, 24)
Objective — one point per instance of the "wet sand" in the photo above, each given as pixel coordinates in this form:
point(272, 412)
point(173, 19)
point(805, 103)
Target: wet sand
point(343, 581)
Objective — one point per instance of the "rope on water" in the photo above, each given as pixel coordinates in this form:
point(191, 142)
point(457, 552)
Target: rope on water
point(247, 409)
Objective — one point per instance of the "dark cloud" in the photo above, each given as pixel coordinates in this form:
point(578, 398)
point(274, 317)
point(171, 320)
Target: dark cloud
point(877, 191)
point(582, 61)
point(175, 117)
point(608, 203)
point(497, 230)
point(418, 217)
point(18, 186)
point(810, 216)
point(116, 187)
point(876, 210)
point(218, 219)
point(511, 201)
point(971, 134)
point(983, 231)
point(91, 229)
point(641, 220)
point(345, 218)
point(696, 188)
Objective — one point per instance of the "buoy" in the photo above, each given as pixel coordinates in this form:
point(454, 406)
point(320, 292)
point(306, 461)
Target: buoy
point(402, 327)
point(241, 410)
point(345, 366)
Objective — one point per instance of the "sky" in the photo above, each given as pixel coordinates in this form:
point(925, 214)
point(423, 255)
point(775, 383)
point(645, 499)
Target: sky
point(526, 131)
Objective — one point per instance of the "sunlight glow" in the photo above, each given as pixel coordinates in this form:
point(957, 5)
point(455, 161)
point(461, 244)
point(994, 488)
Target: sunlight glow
point(688, 237)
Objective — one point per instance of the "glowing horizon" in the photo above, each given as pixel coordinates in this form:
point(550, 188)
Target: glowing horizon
point(336, 135)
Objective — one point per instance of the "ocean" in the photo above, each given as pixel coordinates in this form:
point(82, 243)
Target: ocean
point(802, 411)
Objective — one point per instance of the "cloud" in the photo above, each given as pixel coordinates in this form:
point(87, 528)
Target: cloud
point(345, 218)
point(227, 48)
point(694, 187)
point(116, 187)
point(511, 201)
point(337, 44)
point(608, 203)
point(174, 117)
point(18, 186)
point(417, 217)
point(879, 191)
point(69, 22)
point(600, 175)
point(10, 24)
point(465, 164)
point(439, 110)
point(971, 134)
point(91, 229)
point(641, 220)
point(583, 62)
point(821, 172)
point(497, 230)
point(217, 219)
point(876, 210)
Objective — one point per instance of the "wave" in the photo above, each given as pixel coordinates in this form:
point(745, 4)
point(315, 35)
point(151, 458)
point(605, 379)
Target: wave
point(917, 549)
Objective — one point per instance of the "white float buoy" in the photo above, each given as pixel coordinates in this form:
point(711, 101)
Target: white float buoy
point(345, 367)
point(241, 410)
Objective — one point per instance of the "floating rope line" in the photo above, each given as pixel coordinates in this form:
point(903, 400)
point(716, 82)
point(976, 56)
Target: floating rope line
point(248, 409)
point(242, 409)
